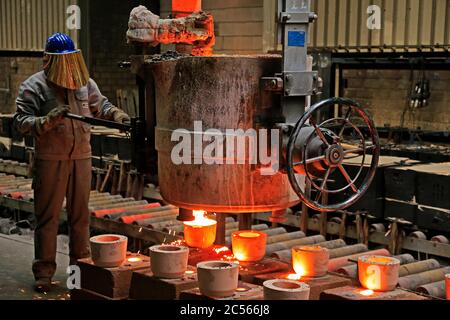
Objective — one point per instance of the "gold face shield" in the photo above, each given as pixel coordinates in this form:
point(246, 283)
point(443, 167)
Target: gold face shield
point(67, 70)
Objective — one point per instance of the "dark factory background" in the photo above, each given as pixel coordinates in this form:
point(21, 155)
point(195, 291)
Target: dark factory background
point(399, 74)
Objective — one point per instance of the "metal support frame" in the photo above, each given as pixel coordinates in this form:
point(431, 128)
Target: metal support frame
point(220, 235)
point(298, 79)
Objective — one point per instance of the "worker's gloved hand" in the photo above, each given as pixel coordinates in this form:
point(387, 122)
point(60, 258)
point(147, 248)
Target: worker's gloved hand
point(121, 117)
point(56, 116)
point(52, 119)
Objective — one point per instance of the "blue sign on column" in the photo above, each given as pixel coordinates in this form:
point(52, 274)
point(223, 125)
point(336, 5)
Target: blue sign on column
point(296, 38)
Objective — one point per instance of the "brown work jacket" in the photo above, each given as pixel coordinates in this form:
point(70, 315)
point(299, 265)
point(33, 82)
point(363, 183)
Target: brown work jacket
point(69, 140)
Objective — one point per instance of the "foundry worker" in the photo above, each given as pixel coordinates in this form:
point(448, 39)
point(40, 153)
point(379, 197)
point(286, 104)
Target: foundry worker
point(62, 164)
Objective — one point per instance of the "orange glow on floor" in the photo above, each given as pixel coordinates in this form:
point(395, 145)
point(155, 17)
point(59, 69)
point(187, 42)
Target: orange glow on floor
point(221, 249)
point(366, 293)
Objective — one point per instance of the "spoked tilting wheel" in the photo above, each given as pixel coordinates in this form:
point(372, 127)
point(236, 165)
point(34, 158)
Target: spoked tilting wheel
point(319, 151)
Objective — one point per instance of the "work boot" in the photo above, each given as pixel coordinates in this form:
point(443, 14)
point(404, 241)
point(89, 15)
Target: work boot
point(43, 285)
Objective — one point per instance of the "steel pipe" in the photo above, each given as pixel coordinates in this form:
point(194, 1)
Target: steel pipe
point(18, 182)
point(8, 184)
point(418, 267)
point(348, 250)
point(440, 239)
point(231, 225)
point(128, 203)
point(15, 186)
point(20, 194)
point(333, 244)
point(126, 209)
point(23, 188)
point(177, 228)
point(337, 263)
point(15, 181)
point(285, 237)
point(147, 222)
point(8, 178)
point(274, 231)
point(28, 197)
point(271, 248)
point(103, 200)
point(434, 289)
point(96, 194)
point(413, 281)
point(110, 202)
point(418, 235)
point(168, 226)
point(99, 196)
point(377, 227)
point(405, 258)
point(150, 208)
point(132, 218)
point(286, 255)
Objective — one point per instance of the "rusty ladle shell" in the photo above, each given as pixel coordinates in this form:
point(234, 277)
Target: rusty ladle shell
point(224, 93)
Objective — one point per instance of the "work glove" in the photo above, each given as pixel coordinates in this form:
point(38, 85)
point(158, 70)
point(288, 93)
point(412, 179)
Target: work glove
point(121, 117)
point(56, 115)
point(52, 119)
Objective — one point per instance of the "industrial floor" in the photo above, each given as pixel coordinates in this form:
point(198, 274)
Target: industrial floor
point(16, 278)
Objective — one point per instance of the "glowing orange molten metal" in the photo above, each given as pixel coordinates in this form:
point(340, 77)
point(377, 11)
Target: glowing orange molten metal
point(249, 246)
point(447, 285)
point(310, 261)
point(378, 273)
point(182, 8)
point(201, 232)
point(185, 8)
point(294, 276)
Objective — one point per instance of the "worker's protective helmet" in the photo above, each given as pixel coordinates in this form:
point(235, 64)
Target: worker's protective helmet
point(63, 64)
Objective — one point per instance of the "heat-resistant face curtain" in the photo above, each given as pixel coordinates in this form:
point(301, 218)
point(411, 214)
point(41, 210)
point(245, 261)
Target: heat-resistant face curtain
point(67, 70)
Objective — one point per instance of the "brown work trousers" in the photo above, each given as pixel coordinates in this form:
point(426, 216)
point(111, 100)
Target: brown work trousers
point(54, 180)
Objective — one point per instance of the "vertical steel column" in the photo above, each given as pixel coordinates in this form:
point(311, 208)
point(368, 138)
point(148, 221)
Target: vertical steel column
point(220, 232)
point(245, 221)
point(299, 82)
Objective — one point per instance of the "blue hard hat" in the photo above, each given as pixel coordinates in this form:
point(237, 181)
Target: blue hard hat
point(60, 43)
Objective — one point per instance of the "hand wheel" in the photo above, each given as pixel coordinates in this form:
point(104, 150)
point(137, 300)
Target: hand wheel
point(319, 152)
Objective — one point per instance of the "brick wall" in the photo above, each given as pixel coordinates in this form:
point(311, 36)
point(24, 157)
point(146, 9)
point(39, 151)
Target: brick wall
point(15, 70)
point(384, 94)
point(108, 26)
point(238, 24)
